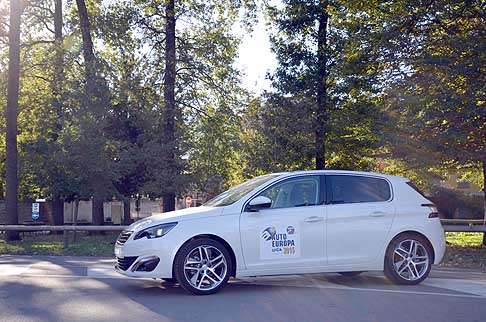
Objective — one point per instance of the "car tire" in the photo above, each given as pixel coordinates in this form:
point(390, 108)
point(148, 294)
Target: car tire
point(350, 274)
point(408, 259)
point(207, 258)
point(170, 280)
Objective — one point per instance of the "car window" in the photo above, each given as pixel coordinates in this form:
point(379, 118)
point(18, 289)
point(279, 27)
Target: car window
point(296, 192)
point(354, 189)
point(234, 194)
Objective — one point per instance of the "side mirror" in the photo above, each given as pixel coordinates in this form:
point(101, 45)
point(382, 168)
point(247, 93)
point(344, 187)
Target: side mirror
point(258, 203)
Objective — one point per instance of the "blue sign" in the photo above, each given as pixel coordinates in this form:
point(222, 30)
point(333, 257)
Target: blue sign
point(35, 215)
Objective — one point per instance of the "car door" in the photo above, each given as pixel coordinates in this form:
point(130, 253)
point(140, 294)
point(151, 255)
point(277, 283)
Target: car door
point(359, 217)
point(289, 234)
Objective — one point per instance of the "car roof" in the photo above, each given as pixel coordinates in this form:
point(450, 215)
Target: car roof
point(387, 176)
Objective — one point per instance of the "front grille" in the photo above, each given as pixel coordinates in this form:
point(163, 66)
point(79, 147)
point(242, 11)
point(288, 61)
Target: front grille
point(123, 237)
point(124, 263)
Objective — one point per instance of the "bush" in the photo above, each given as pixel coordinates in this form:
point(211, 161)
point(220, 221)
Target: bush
point(455, 204)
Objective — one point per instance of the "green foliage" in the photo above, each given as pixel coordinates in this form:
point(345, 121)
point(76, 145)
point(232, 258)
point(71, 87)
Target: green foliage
point(289, 115)
point(404, 94)
point(85, 245)
point(437, 108)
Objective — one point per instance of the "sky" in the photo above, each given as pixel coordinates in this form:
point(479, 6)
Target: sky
point(255, 58)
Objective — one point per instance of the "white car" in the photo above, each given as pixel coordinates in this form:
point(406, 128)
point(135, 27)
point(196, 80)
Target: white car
point(290, 223)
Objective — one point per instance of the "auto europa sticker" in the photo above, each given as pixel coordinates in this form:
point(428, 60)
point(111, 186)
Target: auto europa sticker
point(280, 241)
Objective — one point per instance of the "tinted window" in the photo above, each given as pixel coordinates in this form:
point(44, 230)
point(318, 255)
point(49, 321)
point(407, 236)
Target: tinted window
point(352, 189)
point(297, 192)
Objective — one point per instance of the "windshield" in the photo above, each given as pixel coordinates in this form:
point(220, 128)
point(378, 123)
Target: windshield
point(234, 194)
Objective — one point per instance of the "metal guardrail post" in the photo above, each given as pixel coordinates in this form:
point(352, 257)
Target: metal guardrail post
point(65, 239)
point(60, 228)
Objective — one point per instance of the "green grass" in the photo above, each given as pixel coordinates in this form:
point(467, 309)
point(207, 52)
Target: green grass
point(463, 249)
point(464, 239)
point(96, 245)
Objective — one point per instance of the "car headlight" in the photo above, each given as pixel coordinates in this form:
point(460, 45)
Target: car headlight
point(155, 231)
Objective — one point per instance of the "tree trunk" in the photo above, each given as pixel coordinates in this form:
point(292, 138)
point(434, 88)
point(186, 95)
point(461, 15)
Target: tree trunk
point(88, 53)
point(127, 220)
point(75, 217)
point(321, 115)
point(97, 211)
point(93, 94)
point(57, 88)
point(169, 99)
point(57, 83)
point(484, 199)
point(58, 211)
point(11, 117)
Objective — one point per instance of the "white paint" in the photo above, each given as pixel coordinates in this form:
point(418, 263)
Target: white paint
point(103, 272)
point(13, 269)
point(477, 287)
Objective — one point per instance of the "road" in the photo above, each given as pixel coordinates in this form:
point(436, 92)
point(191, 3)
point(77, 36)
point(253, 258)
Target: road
point(86, 289)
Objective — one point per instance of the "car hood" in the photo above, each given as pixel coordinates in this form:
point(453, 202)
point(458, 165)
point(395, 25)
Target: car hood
point(178, 215)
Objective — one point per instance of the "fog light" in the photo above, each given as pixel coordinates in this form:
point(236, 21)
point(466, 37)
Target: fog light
point(146, 264)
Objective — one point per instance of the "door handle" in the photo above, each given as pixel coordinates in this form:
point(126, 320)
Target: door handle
point(377, 214)
point(313, 219)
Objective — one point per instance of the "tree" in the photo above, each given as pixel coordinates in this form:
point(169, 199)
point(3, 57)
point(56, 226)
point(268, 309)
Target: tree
point(301, 45)
point(204, 81)
point(57, 99)
point(169, 99)
point(328, 67)
point(11, 112)
point(96, 103)
point(439, 104)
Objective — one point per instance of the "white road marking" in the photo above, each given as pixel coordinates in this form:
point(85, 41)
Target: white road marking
point(477, 287)
point(13, 269)
point(350, 288)
point(104, 272)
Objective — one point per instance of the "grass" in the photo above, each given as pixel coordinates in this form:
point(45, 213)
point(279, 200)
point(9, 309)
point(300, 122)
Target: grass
point(95, 245)
point(463, 249)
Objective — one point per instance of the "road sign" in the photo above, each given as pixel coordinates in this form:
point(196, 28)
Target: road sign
point(35, 210)
point(188, 201)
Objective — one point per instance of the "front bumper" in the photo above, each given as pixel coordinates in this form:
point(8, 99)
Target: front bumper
point(131, 264)
point(145, 258)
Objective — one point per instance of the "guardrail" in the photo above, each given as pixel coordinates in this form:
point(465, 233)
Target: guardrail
point(463, 221)
point(65, 228)
point(60, 228)
point(465, 228)
point(450, 225)
point(464, 225)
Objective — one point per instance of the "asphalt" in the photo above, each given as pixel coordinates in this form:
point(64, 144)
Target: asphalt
point(87, 289)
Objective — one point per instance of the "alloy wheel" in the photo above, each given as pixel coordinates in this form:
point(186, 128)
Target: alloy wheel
point(205, 267)
point(410, 260)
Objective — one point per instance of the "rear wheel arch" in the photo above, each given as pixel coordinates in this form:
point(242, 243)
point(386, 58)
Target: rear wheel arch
point(218, 239)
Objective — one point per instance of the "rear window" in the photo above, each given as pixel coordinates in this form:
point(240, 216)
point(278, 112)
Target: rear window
point(356, 189)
